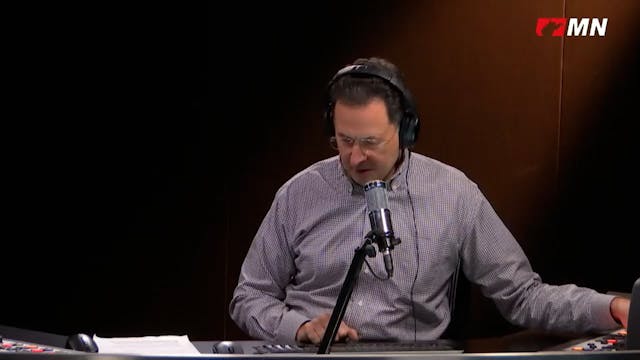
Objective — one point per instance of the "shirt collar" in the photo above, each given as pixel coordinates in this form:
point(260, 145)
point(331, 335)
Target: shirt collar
point(396, 183)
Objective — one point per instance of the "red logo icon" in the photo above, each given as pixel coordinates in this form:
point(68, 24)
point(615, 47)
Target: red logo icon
point(551, 26)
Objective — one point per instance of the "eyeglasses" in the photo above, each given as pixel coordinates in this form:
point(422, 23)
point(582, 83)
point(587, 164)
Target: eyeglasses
point(366, 143)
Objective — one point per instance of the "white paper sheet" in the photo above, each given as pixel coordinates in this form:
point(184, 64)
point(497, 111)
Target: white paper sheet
point(146, 345)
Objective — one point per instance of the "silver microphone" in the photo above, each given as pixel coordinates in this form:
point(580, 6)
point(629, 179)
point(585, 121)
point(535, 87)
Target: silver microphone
point(375, 192)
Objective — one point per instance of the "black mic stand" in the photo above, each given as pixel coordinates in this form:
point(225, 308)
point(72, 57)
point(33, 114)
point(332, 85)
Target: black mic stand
point(366, 249)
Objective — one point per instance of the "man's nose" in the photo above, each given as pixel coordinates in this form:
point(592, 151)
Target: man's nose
point(358, 155)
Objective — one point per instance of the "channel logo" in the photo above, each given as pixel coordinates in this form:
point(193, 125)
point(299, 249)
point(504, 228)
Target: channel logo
point(588, 27)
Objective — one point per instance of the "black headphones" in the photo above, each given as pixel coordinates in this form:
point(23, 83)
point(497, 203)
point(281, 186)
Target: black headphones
point(409, 124)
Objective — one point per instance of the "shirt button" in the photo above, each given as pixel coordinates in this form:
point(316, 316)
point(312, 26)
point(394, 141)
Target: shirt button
point(360, 303)
point(366, 271)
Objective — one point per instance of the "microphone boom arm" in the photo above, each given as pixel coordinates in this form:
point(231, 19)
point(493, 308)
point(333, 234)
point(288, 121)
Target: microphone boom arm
point(339, 309)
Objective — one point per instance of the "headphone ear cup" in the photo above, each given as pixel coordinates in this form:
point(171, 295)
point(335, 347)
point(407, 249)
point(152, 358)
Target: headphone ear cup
point(402, 133)
point(408, 130)
point(328, 120)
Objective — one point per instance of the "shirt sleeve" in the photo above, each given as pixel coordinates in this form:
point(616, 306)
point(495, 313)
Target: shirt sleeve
point(257, 305)
point(494, 260)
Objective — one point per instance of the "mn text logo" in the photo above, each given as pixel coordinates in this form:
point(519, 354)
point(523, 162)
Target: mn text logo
point(575, 27)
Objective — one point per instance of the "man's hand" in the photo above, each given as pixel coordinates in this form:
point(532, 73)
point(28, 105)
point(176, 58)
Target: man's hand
point(619, 308)
point(313, 331)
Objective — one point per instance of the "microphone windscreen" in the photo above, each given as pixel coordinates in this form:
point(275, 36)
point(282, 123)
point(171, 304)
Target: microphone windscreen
point(375, 192)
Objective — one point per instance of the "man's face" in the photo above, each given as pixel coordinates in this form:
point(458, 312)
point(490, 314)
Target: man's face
point(367, 141)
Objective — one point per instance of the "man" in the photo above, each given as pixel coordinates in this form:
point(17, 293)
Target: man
point(295, 267)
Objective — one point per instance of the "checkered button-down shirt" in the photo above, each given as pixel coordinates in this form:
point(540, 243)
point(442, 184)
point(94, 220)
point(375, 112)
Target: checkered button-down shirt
point(298, 260)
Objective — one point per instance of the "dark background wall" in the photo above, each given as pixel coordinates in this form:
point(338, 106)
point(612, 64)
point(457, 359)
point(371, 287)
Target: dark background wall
point(144, 143)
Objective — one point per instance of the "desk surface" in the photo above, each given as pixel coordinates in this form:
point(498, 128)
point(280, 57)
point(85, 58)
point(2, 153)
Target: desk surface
point(525, 345)
point(522, 341)
point(557, 355)
point(514, 352)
